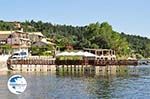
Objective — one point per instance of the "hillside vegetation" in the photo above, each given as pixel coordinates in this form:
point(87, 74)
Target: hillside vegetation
point(94, 35)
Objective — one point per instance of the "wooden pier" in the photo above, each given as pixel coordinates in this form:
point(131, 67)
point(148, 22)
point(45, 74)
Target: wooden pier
point(68, 65)
point(71, 62)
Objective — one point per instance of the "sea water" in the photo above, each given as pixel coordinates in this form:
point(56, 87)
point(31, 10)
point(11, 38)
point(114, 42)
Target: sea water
point(134, 84)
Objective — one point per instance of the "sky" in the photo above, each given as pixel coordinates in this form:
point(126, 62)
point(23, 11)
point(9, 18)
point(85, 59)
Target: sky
point(129, 16)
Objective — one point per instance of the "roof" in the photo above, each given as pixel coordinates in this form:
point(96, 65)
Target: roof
point(43, 42)
point(10, 32)
point(6, 32)
point(20, 32)
point(47, 42)
point(39, 44)
point(36, 33)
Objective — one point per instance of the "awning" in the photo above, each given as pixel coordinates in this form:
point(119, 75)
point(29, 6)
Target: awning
point(79, 53)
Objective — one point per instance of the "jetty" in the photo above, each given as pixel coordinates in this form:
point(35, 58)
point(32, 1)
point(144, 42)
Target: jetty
point(72, 61)
point(44, 64)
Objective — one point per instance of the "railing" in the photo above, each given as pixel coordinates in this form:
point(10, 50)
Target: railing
point(71, 62)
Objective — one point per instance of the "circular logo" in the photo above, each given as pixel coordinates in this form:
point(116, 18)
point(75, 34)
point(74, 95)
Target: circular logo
point(17, 84)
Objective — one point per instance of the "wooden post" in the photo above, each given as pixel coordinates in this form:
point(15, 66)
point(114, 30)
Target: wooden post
point(67, 68)
point(74, 68)
point(71, 68)
point(62, 68)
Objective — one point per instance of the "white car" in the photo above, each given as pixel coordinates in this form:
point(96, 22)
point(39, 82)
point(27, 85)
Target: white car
point(19, 55)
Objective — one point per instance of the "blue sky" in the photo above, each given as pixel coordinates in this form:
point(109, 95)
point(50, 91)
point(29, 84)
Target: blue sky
point(129, 16)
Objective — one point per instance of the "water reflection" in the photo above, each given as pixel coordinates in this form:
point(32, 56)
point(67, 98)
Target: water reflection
point(135, 83)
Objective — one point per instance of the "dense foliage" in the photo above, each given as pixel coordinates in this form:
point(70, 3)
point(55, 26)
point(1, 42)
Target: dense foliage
point(139, 45)
point(4, 26)
point(94, 35)
point(35, 50)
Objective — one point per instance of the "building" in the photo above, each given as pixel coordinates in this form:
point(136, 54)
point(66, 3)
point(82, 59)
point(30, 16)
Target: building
point(43, 42)
point(22, 41)
point(3, 36)
point(19, 41)
point(104, 54)
point(35, 36)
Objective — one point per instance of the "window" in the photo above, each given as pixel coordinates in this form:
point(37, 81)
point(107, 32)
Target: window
point(16, 54)
point(23, 53)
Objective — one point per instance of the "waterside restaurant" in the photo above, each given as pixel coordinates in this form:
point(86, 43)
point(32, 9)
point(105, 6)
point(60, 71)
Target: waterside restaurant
point(104, 54)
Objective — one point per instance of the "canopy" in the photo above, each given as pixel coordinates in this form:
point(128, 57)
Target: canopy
point(63, 54)
point(87, 54)
point(79, 53)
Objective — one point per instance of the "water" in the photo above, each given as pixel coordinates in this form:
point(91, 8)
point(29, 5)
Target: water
point(132, 85)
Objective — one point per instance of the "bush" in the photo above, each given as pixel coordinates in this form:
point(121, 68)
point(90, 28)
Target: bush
point(47, 53)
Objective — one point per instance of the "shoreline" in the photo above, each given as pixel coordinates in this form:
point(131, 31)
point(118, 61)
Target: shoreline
point(3, 66)
point(3, 63)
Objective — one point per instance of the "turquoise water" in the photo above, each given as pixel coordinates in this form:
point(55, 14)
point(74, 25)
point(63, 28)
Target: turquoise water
point(134, 84)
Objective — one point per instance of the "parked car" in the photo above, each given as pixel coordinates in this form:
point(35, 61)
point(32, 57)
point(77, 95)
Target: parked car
point(19, 55)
